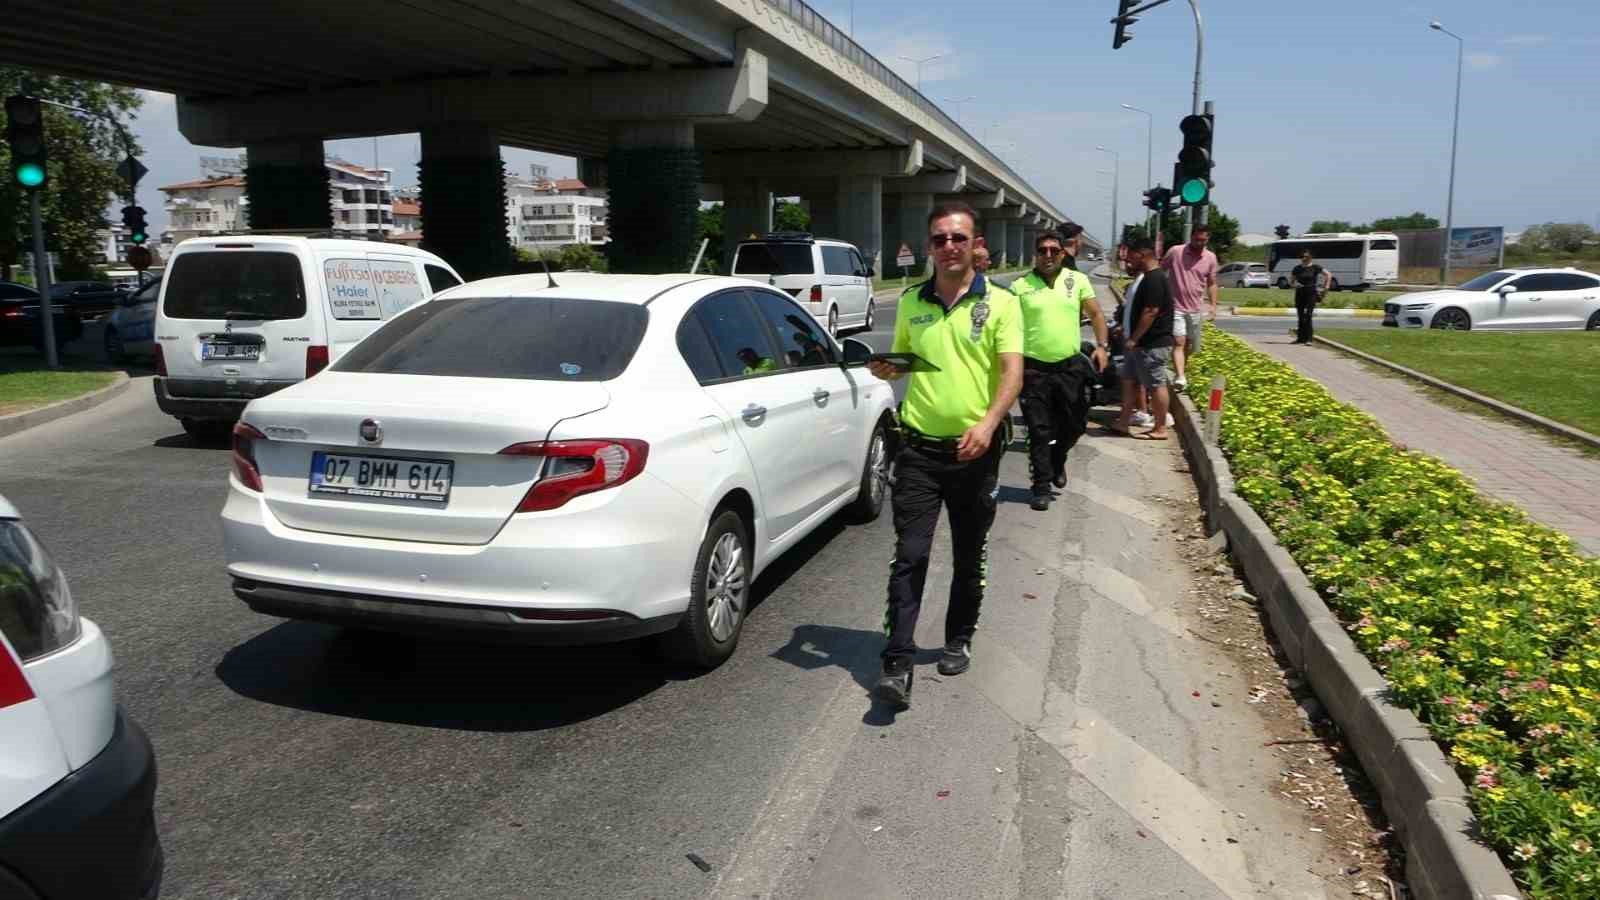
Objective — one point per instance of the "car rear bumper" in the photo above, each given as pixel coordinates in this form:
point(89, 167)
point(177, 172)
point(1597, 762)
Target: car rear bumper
point(210, 398)
point(623, 560)
point(93, 833)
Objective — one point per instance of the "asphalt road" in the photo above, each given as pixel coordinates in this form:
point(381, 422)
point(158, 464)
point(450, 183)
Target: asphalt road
point(298, 760)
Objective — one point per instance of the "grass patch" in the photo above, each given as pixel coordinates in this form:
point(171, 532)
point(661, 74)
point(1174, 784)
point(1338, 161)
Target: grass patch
point(1278, 299)
point(25, 382)
point(1485, 624)
point(1554, 375)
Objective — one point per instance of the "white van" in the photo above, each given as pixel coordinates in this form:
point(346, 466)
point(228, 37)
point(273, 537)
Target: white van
point(830, 278)
point(243, 316)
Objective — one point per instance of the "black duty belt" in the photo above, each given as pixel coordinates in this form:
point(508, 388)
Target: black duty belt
point(927, 443)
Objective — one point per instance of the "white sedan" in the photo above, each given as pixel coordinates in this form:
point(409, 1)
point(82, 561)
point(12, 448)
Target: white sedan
point(1244, 275)
point(615, 457)
point(1505, 300)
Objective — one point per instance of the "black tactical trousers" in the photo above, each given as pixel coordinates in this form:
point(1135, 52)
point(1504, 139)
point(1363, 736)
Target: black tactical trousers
point(1055, 406)
point(927, 477)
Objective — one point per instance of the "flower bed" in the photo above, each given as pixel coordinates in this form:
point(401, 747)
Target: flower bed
point(1486, 625)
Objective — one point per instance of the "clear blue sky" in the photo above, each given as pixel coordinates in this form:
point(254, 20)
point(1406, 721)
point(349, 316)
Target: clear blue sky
point(1325, 110)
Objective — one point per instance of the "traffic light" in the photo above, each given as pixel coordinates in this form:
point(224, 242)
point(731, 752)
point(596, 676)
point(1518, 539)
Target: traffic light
point(133, 220)
point(25, 134)
point(1282, 231)
point(1123, 20)
point(1192, 177)
point(1157, 198)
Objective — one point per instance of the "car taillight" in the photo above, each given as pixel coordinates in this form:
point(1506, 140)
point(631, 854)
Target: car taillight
point(572, 468)
point(161, 362)
point(14, 687)
point(244, 455)
point(13, 314)
point(816, 293)
point(316, 359)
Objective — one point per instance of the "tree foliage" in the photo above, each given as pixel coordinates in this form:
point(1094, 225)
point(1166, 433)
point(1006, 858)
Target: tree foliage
point(1330, 226)
point(1416, 221)
point(1556, 237)
point(84, 152)
point(787, 216)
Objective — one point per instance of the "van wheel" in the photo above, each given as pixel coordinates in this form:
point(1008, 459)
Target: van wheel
point(874, 478)
point(719, 597)
point(872, 309)
point(833, 322)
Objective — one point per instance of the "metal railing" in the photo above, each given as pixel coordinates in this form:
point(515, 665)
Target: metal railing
point(812, 21)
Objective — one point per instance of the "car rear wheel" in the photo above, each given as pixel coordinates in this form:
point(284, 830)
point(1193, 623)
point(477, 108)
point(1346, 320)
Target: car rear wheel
point(1283, 284)
point(833, 321)
point(874, 478)
point(1452, 319)
point(872, 309)
point(719, 596)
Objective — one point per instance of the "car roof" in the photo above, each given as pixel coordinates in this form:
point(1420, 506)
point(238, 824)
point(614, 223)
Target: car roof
point(639, 289)
point(319, 243)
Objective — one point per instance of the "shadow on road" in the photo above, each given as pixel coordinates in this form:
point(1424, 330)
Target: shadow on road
point(434, 683)
point(853, 649)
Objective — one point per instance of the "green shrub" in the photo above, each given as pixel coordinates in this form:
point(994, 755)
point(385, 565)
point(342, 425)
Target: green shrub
point(1486, 625)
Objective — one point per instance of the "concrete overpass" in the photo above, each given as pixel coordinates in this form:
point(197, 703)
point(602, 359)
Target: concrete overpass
point(664, 102)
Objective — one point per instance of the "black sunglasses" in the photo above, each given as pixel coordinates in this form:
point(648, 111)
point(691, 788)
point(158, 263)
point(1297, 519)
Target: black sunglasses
point(1048, 251)
point(939, 240)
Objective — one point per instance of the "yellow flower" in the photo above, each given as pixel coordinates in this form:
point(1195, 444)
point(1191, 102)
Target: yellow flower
point(1581, 809)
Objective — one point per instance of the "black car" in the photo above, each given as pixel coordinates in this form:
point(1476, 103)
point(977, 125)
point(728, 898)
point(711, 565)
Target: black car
point(90, 299)
point(20, 324)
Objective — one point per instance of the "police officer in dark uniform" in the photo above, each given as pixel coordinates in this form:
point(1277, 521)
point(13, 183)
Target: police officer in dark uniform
point(954, 428)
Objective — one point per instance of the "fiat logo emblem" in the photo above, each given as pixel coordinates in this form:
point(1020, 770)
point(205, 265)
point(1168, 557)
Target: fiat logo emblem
point(371, 431)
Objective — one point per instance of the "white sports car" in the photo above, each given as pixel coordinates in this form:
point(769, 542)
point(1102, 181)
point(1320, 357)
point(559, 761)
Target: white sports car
point(1505, 300)
point(615, 457)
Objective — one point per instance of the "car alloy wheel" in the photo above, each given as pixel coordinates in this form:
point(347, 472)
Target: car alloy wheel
point(871, 314)
point(1452, 319)
point(833, 322)
point(726, 586)
point(874, 477)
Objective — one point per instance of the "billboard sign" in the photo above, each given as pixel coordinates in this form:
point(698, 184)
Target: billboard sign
point(1478, 248)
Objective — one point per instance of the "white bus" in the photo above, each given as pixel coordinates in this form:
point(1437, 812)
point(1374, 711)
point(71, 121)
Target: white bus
point(1355, 261)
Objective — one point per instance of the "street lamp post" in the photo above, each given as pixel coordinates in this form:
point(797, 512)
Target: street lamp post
point(1149, 147)
point(958, 101)
point(919, 63)
point(1116, 188)
point(1455, 131)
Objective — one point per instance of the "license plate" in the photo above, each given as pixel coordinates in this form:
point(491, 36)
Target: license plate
point(210, 350)
point(383, 477)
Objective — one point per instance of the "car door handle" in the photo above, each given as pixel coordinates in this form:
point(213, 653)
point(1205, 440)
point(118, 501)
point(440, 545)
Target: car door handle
point(820, 396)
point(753, 414)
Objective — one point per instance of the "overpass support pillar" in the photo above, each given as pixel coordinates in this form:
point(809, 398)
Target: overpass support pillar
point(286, 183)
point(1021, 248)
point(746, 210)
point(906, 223)
point(654, 172)
point(850, 207)
point(463, 199)
point(994, 237)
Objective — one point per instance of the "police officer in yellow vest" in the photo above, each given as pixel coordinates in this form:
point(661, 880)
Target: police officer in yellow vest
point(1056, 374)
point(954, 428)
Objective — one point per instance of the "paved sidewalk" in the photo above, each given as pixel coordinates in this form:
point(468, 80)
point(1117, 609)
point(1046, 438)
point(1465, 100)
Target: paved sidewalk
point(1553, 484)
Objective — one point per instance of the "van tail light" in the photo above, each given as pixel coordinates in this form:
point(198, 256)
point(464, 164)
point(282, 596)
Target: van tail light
point(816, 293)
point(161, 362)
point(573, 468)
point(14, 687)
point(244, 455)
point(316, 359)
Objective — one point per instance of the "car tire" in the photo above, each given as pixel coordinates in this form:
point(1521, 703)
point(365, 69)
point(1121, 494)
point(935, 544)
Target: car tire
point(833, 322)
point(872, 310)
point(719, 596)
point(116, 351)
point(1360, 288)
point(874, 487)
point(1451, 318)
point(1594, 322)
point(1283, 284)
point(1334, 286)
point(206, 430)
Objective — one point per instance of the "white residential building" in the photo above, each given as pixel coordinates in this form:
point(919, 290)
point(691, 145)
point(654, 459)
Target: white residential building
point(548, 214)
point(112, 245)
point(360, 200)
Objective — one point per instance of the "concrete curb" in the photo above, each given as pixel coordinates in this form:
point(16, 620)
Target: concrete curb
point(1421, 793)
point(22, 421)
point(1515, 412)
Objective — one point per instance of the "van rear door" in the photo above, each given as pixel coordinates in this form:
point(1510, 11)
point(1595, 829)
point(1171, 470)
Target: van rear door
point(236, 312)
point(364, 290)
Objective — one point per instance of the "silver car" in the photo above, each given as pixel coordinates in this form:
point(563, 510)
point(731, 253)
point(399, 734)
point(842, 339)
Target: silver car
point(1505, 300)
point(1244, 275)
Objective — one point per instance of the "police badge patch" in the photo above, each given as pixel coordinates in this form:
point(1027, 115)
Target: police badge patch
point(980, 315)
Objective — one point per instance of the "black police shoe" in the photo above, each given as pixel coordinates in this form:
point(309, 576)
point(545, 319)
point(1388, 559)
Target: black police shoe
point(957, 656)
point(894, 685)
point(1041, 499)
point(1060, 480)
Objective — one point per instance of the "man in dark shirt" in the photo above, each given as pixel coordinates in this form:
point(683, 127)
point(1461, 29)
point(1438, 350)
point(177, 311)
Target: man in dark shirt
point(1310, 283)
point(1071, 234)
point(1147, 351)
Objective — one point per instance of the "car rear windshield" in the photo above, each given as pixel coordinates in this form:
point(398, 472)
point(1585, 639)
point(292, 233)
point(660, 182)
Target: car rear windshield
point(540, 338)
point(773, 259)
point(235, 284)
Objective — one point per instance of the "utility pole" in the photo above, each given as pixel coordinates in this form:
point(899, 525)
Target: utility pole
point(1455, 131)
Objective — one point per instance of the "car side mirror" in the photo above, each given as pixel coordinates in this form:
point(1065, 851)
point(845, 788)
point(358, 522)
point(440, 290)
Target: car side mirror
point(870, 273)
point(1505, 289)
point(856, 353)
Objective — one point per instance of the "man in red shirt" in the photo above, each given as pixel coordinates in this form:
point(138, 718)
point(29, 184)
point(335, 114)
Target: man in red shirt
point(1192, 270)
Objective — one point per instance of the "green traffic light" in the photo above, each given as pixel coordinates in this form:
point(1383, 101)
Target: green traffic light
point(1194, 191)
point(30, 174)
